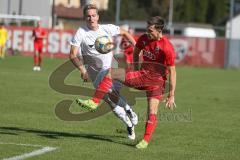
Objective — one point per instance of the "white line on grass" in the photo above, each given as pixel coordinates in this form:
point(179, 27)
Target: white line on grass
point(31, 154)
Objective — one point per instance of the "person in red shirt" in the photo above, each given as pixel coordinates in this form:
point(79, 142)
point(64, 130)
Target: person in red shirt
point(39, 34)
point(127, 47)
point(157, 65)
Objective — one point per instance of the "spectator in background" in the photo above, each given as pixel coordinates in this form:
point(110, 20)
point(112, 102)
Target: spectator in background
point(3, 40)
point(39, 34)
point(127, 47)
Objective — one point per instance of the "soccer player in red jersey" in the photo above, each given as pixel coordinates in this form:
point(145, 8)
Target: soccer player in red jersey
point(39, 34)
point(158, 63)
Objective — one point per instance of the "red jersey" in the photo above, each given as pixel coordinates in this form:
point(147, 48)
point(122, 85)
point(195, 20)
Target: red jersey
point(39, 34)
point(127, 50)
point(157, 54)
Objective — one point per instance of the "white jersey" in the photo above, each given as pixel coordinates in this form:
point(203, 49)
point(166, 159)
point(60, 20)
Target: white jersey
point(85, 39)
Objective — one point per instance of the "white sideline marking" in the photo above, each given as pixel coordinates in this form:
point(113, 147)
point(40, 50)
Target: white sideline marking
point(31, 154)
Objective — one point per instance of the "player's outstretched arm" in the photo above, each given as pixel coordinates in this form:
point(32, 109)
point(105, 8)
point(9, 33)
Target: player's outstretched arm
point(170, 103)
point(136, 53)
point(128, 36)
point(78, 63)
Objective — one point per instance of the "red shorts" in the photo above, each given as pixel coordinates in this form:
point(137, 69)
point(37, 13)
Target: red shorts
point(38, 47)
point(145, 80)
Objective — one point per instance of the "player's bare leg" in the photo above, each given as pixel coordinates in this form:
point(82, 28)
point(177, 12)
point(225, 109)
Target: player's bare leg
point(35, 60)
point(1, 51)
point(40, 57)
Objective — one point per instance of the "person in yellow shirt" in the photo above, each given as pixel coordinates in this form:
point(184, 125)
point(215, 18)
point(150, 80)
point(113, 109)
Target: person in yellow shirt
point(3, 40)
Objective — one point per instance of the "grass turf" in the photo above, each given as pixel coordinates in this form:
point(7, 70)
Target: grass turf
point(205, 125)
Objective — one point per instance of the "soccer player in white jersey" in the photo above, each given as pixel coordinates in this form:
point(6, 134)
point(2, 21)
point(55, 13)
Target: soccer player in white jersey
point(83, 53)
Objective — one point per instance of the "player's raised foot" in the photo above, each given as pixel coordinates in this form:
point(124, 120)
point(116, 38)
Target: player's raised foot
point(142, 144)
point(133, 117)
point(131, 133)
point(88, 104)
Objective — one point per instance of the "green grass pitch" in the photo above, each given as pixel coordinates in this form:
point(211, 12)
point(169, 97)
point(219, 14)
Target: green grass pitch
point(205, 124)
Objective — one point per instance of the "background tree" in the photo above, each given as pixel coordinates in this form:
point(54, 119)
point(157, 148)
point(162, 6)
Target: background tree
point(156, 7)
point(190, 11)
point(109, 15)
point(217, 12)
point(130, 10)
point(185, 11)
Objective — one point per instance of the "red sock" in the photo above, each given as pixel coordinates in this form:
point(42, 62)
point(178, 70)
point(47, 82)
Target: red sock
point(35, 59)
point(150, 127)
point(102, 89)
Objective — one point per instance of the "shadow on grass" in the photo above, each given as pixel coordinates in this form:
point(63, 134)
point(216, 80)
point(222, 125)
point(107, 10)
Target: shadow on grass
point(58, 135)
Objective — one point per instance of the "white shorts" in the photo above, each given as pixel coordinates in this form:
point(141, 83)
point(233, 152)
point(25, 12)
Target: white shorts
point(97, 77)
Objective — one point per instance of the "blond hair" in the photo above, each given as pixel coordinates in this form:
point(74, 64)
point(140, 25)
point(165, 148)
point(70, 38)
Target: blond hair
point(88, 7)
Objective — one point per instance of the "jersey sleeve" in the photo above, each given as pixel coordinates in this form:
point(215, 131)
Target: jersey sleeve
point(170, 58)
point(44, 32)
point(140, 42)
point(113, 30)
point(76, 39)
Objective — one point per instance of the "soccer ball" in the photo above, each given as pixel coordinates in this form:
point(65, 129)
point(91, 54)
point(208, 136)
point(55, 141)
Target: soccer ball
point(104, 44)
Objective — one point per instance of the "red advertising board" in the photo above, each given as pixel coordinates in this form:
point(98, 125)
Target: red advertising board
point(208, 52)
point(190, 51)
point(55, 45)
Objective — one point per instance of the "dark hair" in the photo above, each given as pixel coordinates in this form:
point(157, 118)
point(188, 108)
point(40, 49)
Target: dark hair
point(88, 7)
point(157, 21)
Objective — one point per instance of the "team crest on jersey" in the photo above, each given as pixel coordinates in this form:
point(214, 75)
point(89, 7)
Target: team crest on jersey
point(149, 55)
